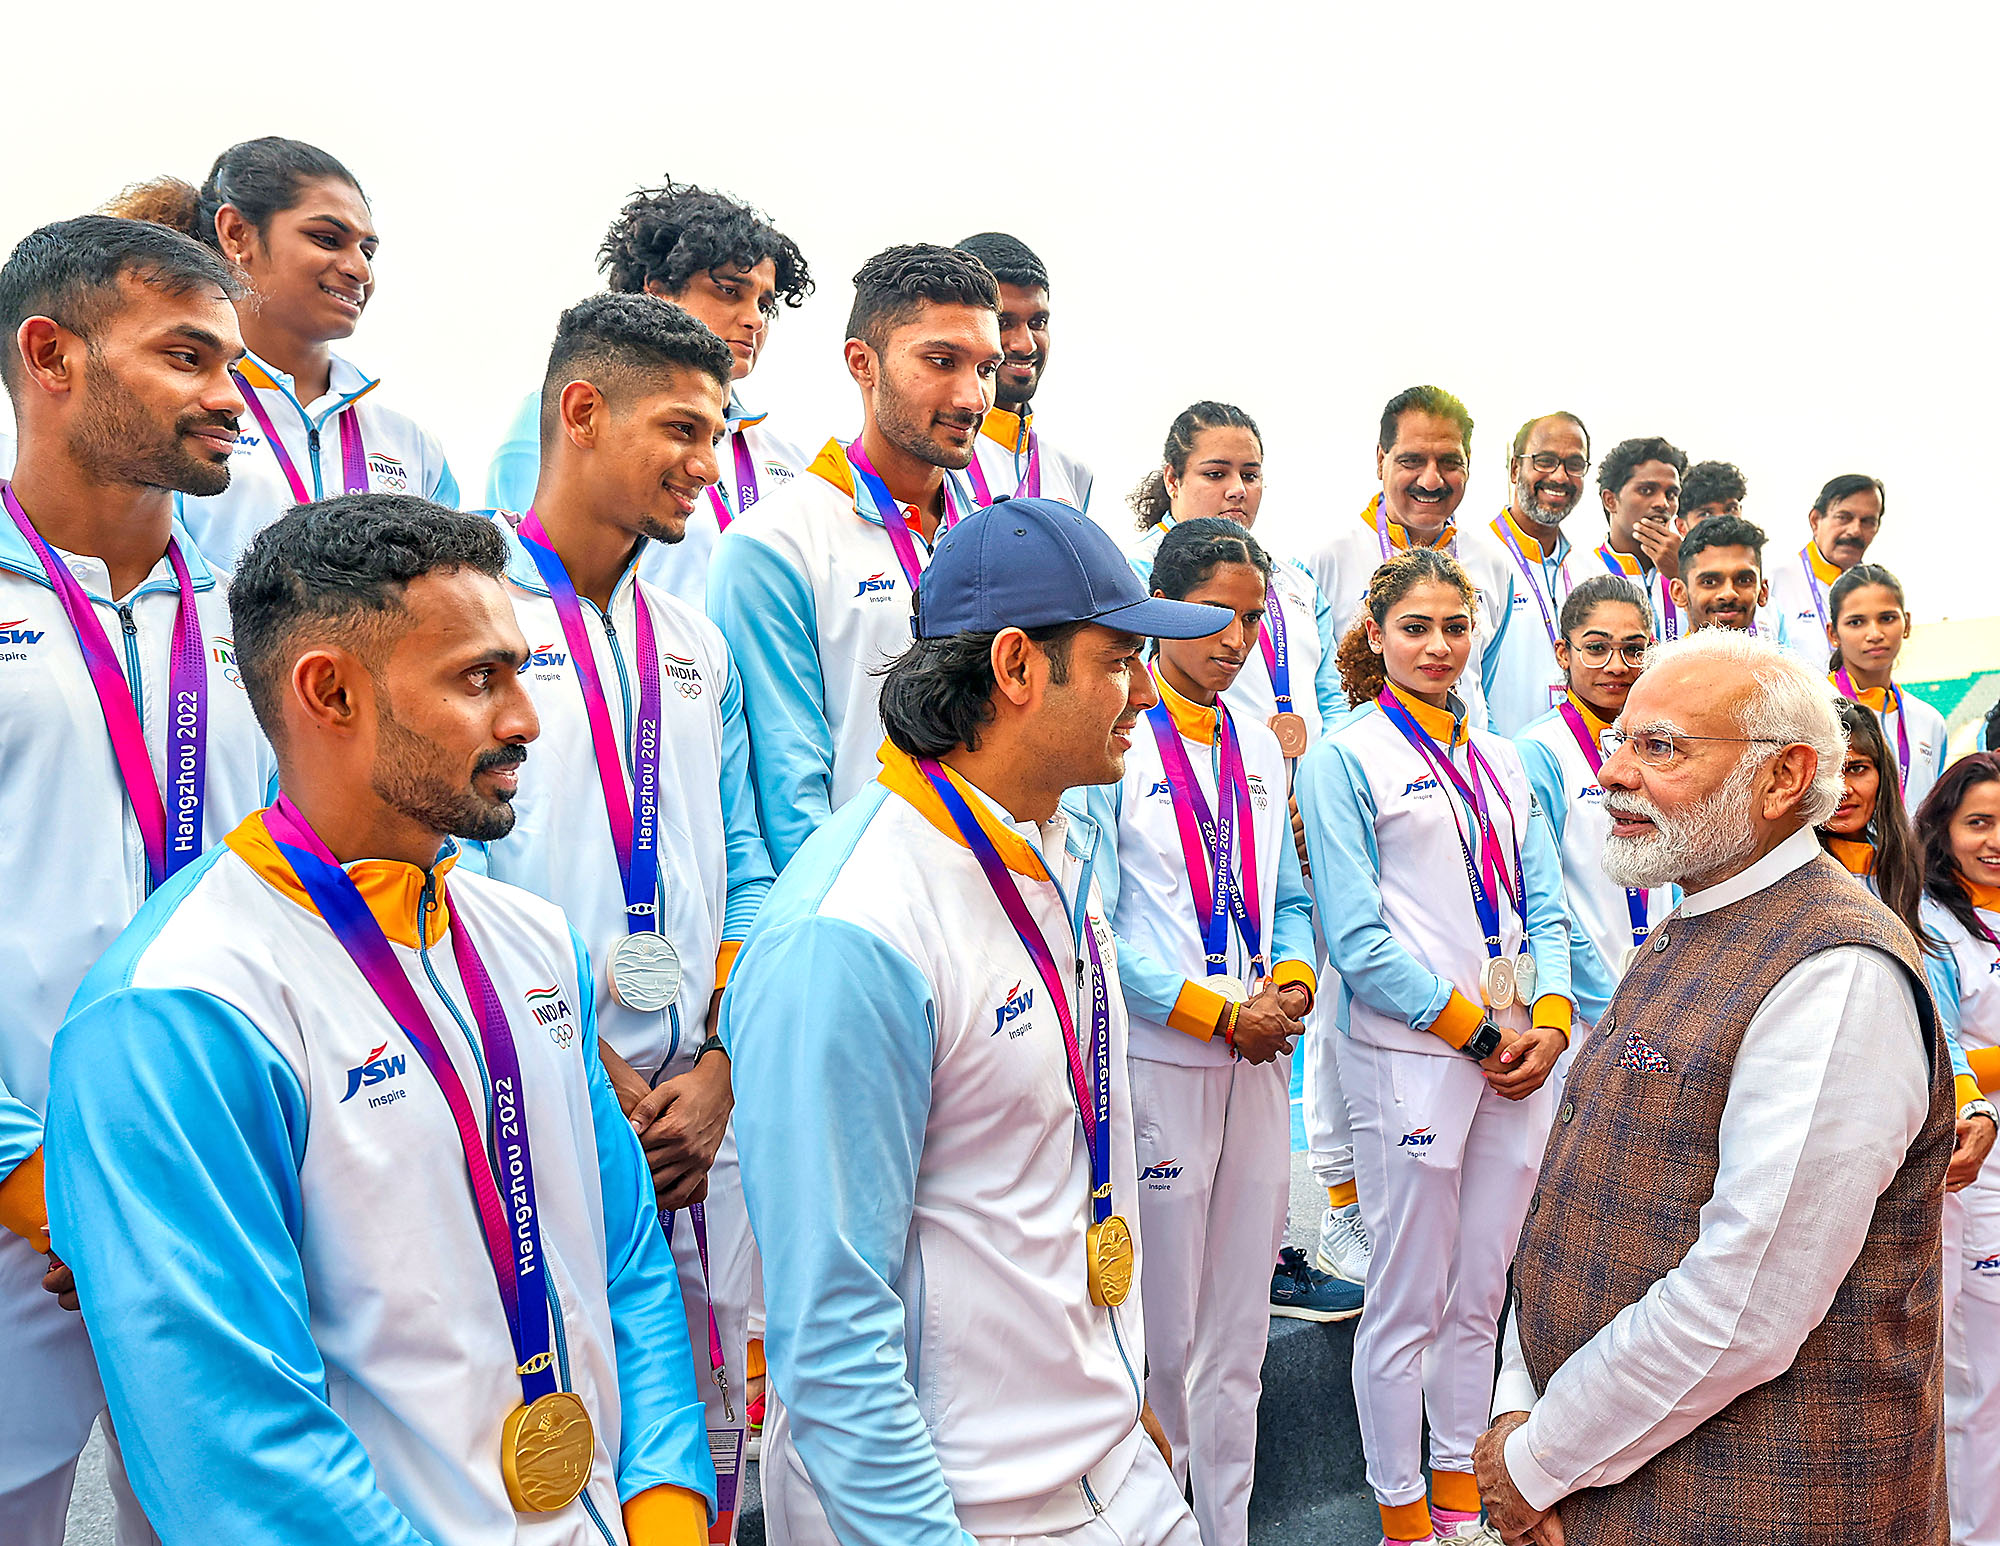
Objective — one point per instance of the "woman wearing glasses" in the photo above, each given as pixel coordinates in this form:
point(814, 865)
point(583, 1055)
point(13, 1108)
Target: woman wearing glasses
point(1866, 623)
point(1440, 900)
point(1606, 631)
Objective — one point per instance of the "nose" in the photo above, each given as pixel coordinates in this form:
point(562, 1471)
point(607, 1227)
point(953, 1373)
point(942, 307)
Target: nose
point(972, 392)
point(1620, 769)
point(706, 466)
point(1140, 693)
point(223, 396)
point(518, 723)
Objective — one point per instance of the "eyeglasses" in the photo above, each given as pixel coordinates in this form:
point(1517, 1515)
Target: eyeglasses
point(1657, 748)
point(1598, 651)
point(1548, 461)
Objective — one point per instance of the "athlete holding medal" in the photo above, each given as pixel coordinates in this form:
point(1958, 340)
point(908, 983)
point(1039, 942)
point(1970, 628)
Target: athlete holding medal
point(450, 1316)
point(1439, 895)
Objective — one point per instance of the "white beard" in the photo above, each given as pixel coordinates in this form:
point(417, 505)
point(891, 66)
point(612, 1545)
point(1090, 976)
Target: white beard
point(1700, 840)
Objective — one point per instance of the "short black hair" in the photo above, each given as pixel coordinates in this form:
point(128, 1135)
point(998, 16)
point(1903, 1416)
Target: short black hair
point(667, 235)
point(938, 694)
point(1596, 592)
point(1433, 400)
point(893, 285)
point(339, 567)
point(613, 340)
point(258, 178)
point(1706, 482)
point(1628, 456)
point(1846, 486)
point(1193, 550)
point(1008, 258)
point(1521, 435)
point(69, 272)
point(1722, 531)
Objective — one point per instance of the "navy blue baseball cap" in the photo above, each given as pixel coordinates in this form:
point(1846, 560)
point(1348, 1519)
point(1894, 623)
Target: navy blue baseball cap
point(1035, 563)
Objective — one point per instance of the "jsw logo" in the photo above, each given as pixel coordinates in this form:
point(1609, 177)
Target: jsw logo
point(1589, 792)
point(1159, 787)
point(1422, 1138)
point(1018, 1004)
point(1417, 786)
point(1987, 1264)
point(544, 655)
point(13, 633)
point(374, 1069)
point(874, 584)
point(1166, 1170)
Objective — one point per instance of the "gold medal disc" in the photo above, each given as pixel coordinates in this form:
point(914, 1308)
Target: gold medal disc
point(546, 1449)
point(1109, 1249)
point(1290, 730)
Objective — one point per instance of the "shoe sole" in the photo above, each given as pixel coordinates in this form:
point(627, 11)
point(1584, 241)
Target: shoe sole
point(1293, 1312)
point(1326, 1264)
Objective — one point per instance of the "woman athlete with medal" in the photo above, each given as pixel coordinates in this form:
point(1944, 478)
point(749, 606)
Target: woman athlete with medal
point(1436, 879)
point(1214, 933)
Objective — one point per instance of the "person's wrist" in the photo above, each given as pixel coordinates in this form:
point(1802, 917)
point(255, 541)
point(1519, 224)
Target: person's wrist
point(1980, 1108)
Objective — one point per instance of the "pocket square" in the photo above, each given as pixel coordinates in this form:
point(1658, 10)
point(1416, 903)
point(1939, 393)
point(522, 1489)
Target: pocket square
point(1641, 1055)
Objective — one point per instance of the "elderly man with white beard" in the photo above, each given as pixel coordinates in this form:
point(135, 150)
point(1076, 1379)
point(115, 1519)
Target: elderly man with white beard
point(1727, 1293)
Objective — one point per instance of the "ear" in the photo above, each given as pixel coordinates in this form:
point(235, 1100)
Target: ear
point(1609, 499)
point(1012, 657)
point(1792, 772)
point(1764, 593)
point(582, 411)
point(1374, 634)
point(1680, 591)
point(862, 364)
point(237, 235)
point(1832, 636)
point(51, 355)
point(1381, 461)
point(1562, 656)
point(1171, 479)
point(331, 691)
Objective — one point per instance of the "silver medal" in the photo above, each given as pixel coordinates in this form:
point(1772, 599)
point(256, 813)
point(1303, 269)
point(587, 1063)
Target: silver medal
point(1524, 978)
point(645, 972)
point(1496, 982)
point(1235, 989)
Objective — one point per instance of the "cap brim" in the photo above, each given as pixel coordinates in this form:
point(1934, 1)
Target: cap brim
point(1158, 618)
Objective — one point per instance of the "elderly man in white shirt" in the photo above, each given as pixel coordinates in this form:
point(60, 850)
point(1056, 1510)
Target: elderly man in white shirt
point(1727, 1294)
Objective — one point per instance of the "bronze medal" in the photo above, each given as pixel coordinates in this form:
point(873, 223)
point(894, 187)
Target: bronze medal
point(1290, 730)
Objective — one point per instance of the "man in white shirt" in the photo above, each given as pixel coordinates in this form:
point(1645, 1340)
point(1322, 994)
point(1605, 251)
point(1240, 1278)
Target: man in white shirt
point(1845, 518)
point(1727, 1295)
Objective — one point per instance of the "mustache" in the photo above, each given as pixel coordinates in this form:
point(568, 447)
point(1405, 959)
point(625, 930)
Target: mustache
point(961, 420)
point(500, 757)
point(195, 421)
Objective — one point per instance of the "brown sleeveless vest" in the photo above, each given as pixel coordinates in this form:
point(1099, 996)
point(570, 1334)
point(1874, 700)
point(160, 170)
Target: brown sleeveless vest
point(1847, 1444)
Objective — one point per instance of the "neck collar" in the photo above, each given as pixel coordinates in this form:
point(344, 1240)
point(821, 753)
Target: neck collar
point(1880, 699)
point(1195, 721)
point(1591, 722)
point(1856, 856)
point(1632, 565)
point(1795, 852)
point(393, 890)
point(521, 570)
point(1446, 726)
point(1008, 429)
point(901, 776)
point(1399, 537)
point(1531, 546)
point(1824, 569)
point(1985, 898)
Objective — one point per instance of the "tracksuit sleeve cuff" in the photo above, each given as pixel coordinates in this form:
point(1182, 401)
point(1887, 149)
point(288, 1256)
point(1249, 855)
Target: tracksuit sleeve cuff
point(725, 958)
point(1456, 1022)
point(1985, 1064)
point(23, 1204)
point(1540, 1489)
point(666, 1516)
point(1197, 1011)
point(1965, 1089)
point(1552, 1009)
point(1296, 974)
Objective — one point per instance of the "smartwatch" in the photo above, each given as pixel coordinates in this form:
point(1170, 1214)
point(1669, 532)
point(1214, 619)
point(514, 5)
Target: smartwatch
point(1482, 1043)
point(713, 1044)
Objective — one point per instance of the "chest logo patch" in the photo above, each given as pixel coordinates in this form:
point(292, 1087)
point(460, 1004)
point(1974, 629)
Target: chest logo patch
point(375, 1069)
point(552, 1013)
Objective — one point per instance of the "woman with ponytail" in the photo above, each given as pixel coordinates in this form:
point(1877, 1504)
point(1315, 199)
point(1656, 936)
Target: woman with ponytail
point(1440, 898)
point(1867, 624)
point(297, 226)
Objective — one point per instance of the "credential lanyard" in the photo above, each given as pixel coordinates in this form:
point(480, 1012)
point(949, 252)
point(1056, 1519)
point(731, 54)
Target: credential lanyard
point(510, 1225)
point(1813, 585)
point(891, 513)
point(1276, 646)
point(1846, 686)
point(353, 454)
point(171, 837)
point(1670, 618)
point(1093, 1102)
point(1210, 842)
point(635, 819)
point(1593, 754)
point(1029, 485)
point(746, 483)
point(1540, 585)
point(698, 1216)
point(1382, 532)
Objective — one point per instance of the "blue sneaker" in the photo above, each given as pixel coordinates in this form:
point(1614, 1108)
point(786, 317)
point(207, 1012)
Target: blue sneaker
point(1301, 1292)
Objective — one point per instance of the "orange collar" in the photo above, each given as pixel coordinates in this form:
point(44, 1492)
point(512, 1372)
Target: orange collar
point(1985, 898)
point(1591, 722)
point(1880, 699)
point(1195, 721)
point(1856, 856)
point(832, 464)
point(1398, 537)
point(1531, 546)
point(1440, 725)
point(901, 776)
point(393, 890)
point(1629, 564)
point(1007, 429)
point(1824, 569)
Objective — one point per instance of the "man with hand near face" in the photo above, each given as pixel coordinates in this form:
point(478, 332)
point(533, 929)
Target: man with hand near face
point(1013, 458)
point(1639, 486)
point(1845, 519)
point(812, 587)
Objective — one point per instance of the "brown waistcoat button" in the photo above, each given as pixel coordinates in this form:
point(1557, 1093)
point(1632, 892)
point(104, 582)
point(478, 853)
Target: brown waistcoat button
point(1567, 1112)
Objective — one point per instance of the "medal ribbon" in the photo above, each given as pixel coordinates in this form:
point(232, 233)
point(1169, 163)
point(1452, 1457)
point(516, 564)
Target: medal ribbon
point(1382, 533)
point(635, 819)
point(1670, 618)
point(1593, 754)
point(1093, 1109)
point(1210, 842)
point(1276, 647)
point(173, 837)
point(511, 1225)
point(698, 1215)
point(1846, 686)
point(1504, 530)
point(1028, 485)
point(353, 454)
point(1812, 585)
point(746, 483)
point(891, 513)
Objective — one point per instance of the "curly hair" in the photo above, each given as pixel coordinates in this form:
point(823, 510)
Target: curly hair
point(1362, 671)
point(1942, 881)
point(258, 178)
point(1628, 456)
point(1722, 531)
point(1150, 501)
point(1706, 482)
point(614, 340)
point(664, 236)
point(893, 286)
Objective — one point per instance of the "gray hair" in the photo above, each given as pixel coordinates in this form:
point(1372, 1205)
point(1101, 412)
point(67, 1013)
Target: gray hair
point(1789, 704)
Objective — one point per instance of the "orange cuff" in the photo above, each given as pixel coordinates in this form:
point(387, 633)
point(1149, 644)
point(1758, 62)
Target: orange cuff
point(1296, 974)
point(1197, 1011)
point(1340, 1196)
point(1552, 1010)
point(1455, 1490)
point(725, 958)
point(1406, 1521)
point(667, 1516)
point(1985, 1063)
point(23, 1207)
point(1964, 1089)
point(1454, 1027)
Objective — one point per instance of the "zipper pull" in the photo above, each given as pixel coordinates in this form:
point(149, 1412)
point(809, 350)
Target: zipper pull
point(128, 621)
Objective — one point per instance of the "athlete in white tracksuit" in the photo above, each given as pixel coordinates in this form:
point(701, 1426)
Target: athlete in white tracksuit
point(1445, 1163)
point(1011, 458)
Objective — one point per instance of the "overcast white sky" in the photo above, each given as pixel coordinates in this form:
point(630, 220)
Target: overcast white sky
point(1762, 231)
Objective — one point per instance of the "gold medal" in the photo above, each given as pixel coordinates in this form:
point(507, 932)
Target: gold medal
point(1524, 979)
point(1290, 730)
point(546, 1449)
point(1496, 982)
point(1108, 1246)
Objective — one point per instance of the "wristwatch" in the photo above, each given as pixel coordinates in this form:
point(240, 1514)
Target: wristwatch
point(1482, 1043)
point(1979, 1108)
point(713, 1044)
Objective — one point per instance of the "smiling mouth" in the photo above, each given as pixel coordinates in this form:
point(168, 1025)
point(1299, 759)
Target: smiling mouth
point(347, 298)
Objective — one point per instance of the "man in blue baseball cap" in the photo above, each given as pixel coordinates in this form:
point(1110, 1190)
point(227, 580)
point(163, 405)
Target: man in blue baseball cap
point(933, 1114)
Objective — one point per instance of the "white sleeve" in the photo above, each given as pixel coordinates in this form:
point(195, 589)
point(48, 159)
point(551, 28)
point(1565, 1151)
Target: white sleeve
point(1831, 1084)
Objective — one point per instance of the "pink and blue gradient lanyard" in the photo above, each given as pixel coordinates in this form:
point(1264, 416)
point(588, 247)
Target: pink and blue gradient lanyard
point(1093, 1101)
point(891, 513)
point(1593, 754)
point(1846, 686)
point(1670, 617)
point(353, 454)
point(1030, 486)
point(1210, 841)
point(1491, 864)
point(635, 819)
point(1276, 646)
point(172, 836)
point(510, 1224)
point(746, 482)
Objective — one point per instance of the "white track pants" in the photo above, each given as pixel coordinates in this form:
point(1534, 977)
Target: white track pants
point(1445, 1169)
point(728, 1230)
point(1972, 1361)
point(1215, 1174)
point(1329, 1133)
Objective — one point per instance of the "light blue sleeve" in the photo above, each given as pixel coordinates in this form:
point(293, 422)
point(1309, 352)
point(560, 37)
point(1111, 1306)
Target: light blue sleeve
point(1490, 656)
point(1339, 815)
point(517, 465)
point(20, 1131)
point(1151, 987)
point(1327, 691)
point(1548, 921)
point(445, 491)
point(1292, 917)
point(834, 1249)
point(764, 608)
point(176, 1133)
point(1589, 975)
point(749, 862)
point(1941, 972)
point(664, 1440)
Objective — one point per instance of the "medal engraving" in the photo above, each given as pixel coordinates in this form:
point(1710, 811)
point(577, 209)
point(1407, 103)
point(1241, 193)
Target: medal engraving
point(1290, 730)
point(1525, 975)
point(645, 972)
point(1109, 1248)
point(1496, 982)
point(546, 1450)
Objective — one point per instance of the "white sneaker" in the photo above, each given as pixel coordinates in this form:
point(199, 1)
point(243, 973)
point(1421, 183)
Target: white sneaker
point(1344, 1250)
point(1474, 1532)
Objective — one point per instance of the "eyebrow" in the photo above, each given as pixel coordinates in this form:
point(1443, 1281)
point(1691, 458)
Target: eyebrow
point(1223, 461)
point(202, 336)
point(1426, 617)
point(335, 220)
